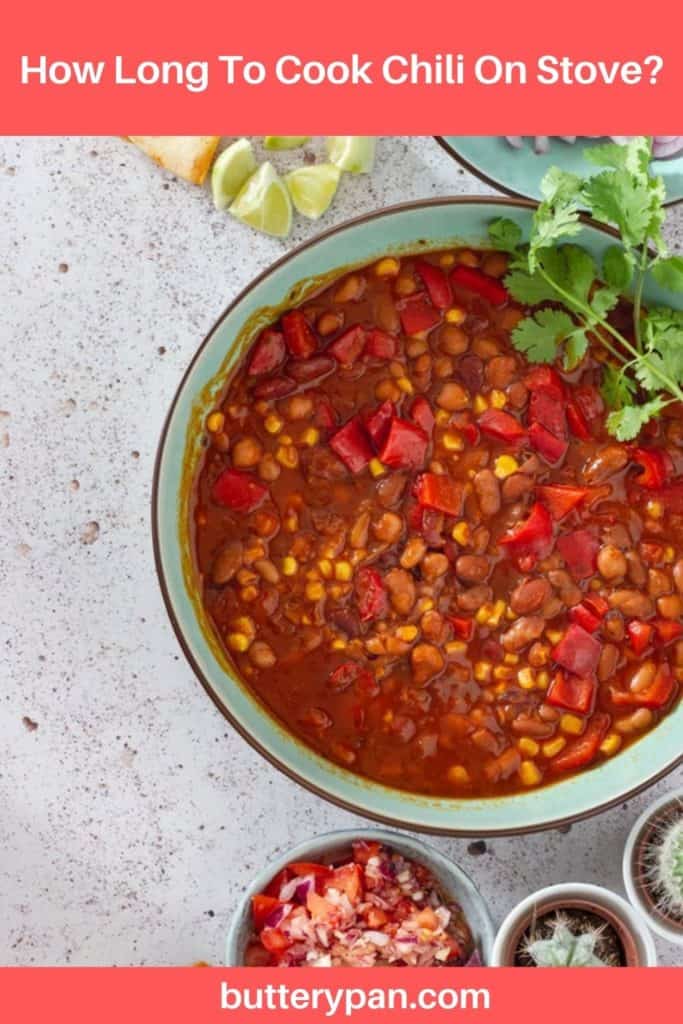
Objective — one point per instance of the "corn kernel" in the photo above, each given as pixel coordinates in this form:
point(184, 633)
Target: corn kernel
point(554, 635)
point(456, 315)
point(458, 775)
point(447, 259)
point(407, 633)
point(504, 672)
point(456, 647)
point(511, 659)
point(669, 554)
point(572, 724)
point(498, 399)
point(528, 747)
point(243, 624)
point(509, 614)
point(326, 568)
point(653, 508)
point(526, 678)
point(314, 591)
point(388, 267)
point(443, 417)
point(482, 671)
point(497, 614)
point(238, 642)
point(461, 533)
point(543, 680)
point(249, 594)
point(287, 456)
point(291, 522)
point(504, 466)
point(481, 616)
point(529, 773)
point(452, 442)
point(290, 566)
point(480, 404)
point(468, 258)
point(338, 644)
point(286, 439)
point(377, 468)
point(215, 422)
point(273, 423)
point(610, 744)
point(343, 571)
point(310, 437)
point(553, 747)
point(405, 384)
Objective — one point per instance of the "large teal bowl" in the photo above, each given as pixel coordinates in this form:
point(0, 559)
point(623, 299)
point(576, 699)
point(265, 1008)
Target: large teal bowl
point(417, 226)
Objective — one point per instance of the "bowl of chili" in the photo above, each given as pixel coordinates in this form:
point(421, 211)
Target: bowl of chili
point(402, 561)
point(378, 898)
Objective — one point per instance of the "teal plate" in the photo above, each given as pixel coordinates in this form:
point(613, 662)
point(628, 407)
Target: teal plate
point(518, 172)
point(430, 224)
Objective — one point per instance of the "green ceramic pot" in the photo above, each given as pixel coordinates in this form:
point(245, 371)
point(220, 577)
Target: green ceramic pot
point(423, 225)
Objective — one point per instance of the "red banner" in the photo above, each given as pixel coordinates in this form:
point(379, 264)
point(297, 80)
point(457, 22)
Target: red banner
point(358, 68)
point(186, 996)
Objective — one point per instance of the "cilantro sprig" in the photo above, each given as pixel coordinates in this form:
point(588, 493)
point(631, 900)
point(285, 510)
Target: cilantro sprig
point(572, 297)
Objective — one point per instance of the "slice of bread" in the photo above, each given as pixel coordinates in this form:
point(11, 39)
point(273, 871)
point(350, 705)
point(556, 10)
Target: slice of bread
point(188, 156)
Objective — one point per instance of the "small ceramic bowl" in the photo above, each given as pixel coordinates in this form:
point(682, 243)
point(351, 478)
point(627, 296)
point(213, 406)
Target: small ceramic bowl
point(629, 924)
point(337, 845)
point(636, 867)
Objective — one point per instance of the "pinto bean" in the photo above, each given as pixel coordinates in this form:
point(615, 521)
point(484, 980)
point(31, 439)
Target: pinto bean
point(261, 655)
point(503, 766)
point(227, 562)
point(413, 552)
point(267, 570)
point(612, 563)
point(528, 725)
point(678, 575)
point(635, 722)
point(472, 599)
point(658, 582)
point(636, 569)
point(613, 627)
point(518, 394)
point(631, 603)
point(427, 661)
point(388, 528)
point(434, 565)
point(487, 490)
point(523, 632)
point(670, 607)
point(609, 659)
point(529, 596)
point(515, 486)
point(472, 568)
point(390, 489)
point(453, 340)
point(485, 348)
point(401, 587)
point(246, 453)
point(608, 461)
point(642, 677)
point(501, 371)
point(452, 397)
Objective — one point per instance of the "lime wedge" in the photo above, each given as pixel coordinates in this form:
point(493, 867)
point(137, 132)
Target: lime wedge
point(355, 153)
point(263, 202)
point(285, 141)
point(230, 171)
point(312, 188)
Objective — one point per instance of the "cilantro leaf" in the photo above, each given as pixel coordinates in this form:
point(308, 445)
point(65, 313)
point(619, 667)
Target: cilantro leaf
point(617, 388)
point(669, 273)
point(603, 300)
point(617, 267)
point(558, 216)
point(627, 423)
point(530, 289)
point(633, 156)
point(663, 333)
point(539, 335)
point(618, 198)
point(505, 234)
point(575, 348)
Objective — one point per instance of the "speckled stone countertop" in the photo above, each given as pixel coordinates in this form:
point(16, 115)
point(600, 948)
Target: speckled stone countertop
point(131, 815)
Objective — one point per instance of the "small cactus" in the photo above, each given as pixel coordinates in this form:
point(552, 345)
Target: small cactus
point(564, 948)
point(663, 864)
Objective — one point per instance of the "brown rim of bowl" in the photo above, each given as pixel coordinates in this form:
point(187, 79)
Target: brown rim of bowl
point(498, 185)
point(518, 203)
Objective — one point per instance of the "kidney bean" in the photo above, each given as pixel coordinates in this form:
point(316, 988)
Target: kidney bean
point(470, 370)
point(515, 486)
point(610, 460)
point(607, 664)
point(523, 632)
point(227, 562)
point(390, 489)
point(401, 587)
point(501, 371)
point(613, 627)
point(275, 387)
point(518, 394)
point(480, 540)
point(528, 725)
point(385, 314)
point(304, 371)
point(612, 563)
point(472, 599)
point(472, 568)
point(487, 489)
point(631, 603)
point(529, 596)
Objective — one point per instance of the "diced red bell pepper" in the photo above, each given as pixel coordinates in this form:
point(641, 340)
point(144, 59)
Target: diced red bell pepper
point(274, 940)
point(262, 907)
point(573, 693)
point(439, 492)
point(405, 446)
point(589, 613)
point(639, 635)
point(654, 696)
point(299, 868)
point(589, 402)
point(352, 445)
point(667, 630)
point(371, 596)
point(651, 552)
point(238, 491)
point(656, 467)
point(275, 885)
point(343, 676)
point(462, 627)
point(580, 551)
point(561, 499)
point(268, 352)
point(532, 539)
point(421, 413)
point(502, 426)
point(547, 410)
point(471, 433)
point(347, 879)
point(578, 424)
point(417, 315)
point(381, 345)
point(585, 748)
point(436, 283)
point(349, 345)
point(578, 651)
point(474, 280)
point(299, 336)
point(377, 423)
point(364, 850)
point(549, 447)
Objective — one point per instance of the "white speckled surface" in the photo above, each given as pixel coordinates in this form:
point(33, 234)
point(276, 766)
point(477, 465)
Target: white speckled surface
point(132, 816)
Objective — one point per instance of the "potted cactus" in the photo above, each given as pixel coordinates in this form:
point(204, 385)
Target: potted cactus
point(653, 866)
point(573, 925)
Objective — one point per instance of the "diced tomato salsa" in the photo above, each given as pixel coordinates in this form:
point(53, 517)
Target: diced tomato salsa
point(377, 909)
point(426, 556)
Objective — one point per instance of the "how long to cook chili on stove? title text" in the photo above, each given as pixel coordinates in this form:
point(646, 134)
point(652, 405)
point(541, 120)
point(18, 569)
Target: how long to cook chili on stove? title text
point(413, 69)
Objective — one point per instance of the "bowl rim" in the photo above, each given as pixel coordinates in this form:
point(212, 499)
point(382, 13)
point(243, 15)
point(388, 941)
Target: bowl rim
point(341, 837)
point(514, 202)
point(498, 185)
